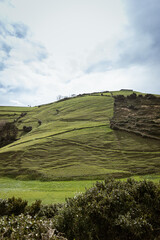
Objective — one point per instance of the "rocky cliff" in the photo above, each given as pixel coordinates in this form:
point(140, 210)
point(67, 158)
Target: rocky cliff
point(137, 114)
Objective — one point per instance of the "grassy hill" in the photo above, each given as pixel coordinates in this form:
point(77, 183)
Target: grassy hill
point(75, 141)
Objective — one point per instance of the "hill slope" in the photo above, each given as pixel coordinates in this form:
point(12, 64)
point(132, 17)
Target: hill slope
point(74, 140)
point(137, 114)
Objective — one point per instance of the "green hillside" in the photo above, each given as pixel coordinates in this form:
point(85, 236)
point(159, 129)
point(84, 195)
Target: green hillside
point(75, 141)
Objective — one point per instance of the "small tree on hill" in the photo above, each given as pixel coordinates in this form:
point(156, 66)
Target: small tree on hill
point(8, 133)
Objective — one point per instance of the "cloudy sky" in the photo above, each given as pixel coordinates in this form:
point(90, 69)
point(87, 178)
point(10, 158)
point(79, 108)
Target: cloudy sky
point(63, 47)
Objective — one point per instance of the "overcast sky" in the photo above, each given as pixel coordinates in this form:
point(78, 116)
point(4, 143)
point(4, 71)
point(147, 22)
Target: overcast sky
point(63, 47)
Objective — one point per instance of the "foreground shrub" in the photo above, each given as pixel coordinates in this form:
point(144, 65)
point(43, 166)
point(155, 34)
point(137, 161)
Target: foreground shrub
point(113, 210)
point(39, 210)
point(27, 228)
point(13, 206)
point(16, 206)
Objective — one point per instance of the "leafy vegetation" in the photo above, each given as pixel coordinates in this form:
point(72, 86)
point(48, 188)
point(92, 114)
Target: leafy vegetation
point(114, 210)
point(26, 227)
point(8, 133)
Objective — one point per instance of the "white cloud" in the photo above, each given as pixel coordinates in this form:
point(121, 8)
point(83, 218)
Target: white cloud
point(112, 80)
point(50, 48)
point(15, 102)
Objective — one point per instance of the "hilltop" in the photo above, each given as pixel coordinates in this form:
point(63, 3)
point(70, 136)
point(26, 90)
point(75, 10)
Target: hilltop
point(72, 139)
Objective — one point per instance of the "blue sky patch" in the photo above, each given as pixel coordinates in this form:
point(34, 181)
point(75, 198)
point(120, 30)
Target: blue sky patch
point(101, 66)
point(20, 30)
point(2, 66)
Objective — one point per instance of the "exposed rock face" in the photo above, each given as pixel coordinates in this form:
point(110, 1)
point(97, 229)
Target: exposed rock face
point(137, 114)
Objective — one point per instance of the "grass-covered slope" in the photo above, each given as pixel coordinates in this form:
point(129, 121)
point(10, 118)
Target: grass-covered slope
point(75, 141)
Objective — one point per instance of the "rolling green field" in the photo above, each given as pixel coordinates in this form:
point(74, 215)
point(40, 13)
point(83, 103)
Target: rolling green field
point(48, 192)
point(53, 191)
point(75, 141)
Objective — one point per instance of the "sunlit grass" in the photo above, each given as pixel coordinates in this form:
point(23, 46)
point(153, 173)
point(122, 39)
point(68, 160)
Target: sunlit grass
point(48, 192)
point(75, 141)
point(52, 191)
point(154, 178)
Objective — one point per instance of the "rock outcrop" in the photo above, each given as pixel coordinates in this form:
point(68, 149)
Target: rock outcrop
point(137, 114)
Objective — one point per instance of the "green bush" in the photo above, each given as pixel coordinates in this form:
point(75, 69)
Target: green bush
point(39, 210)
point(27, 228)
point(113, 210)
point(20, 221)
point(3, 207)
point(34, 208)
point(8, 133)
point(16, 206)
point(13, 206)
point(49, 211)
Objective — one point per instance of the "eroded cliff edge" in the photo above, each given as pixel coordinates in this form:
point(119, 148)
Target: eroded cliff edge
point(138, 114)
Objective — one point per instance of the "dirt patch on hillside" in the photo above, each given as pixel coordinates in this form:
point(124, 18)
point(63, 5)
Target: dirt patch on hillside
point(137, 114)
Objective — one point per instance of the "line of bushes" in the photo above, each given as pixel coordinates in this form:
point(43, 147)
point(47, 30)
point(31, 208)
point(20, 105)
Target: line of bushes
point(111, 209)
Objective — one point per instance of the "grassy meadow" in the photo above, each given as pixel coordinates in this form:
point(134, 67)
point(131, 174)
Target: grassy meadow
point(75, 142)
point(48, 192)
point(53, 191)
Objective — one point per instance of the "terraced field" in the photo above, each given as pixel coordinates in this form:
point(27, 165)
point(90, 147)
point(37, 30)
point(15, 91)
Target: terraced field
point(75, 141)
